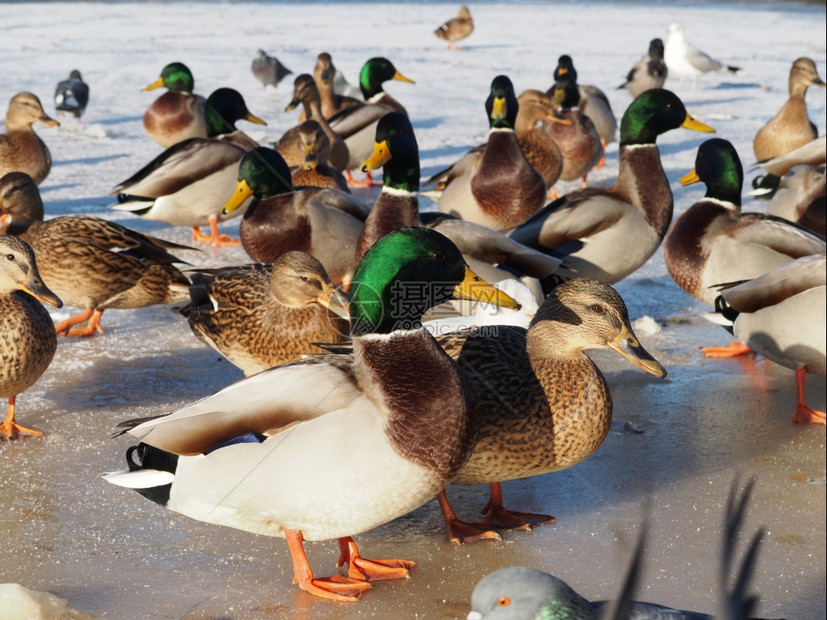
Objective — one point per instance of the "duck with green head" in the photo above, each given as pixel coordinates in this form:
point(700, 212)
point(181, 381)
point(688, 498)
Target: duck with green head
point(189, 183)
point(607, 233)
point(328, 447)
point(178, 114)
point(501, 189)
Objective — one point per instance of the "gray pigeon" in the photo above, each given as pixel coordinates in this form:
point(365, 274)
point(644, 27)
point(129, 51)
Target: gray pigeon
point(268, 69)
point(649, 72)
point(72, 95)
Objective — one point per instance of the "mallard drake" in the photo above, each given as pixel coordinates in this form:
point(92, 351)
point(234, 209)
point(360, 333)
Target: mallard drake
point(91, 263)
point(686, 61)
point(27, 335)
point(349, 435)
point(268, 69)
point(188, 184)
point(178, 114)
point(72, 95)
point(500, 189)
point(322, 222)
point(456, 28)
point(791, 127)
point(544, 405)
point(781, 315)
point(713, 243)
point(356, 124)
point(607, 233)
point(314, 171)
point(262, 315)
point(21, 150)
point(648, 72)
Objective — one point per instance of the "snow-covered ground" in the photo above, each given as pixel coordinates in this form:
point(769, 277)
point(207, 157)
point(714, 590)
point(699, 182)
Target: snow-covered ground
point(114, 554)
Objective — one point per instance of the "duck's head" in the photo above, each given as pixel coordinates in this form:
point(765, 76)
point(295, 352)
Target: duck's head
point(315, 143)
point(501, 104)
point(407, 272)
point(262, 173)
point(324, 70)
point(566, 92)
point(299, 280)
point(24, 109)
point(376, 72)
point(656, 49)
point(718, 166)
point(175, 76)
point(565, 66)
point(224, 107)
point(20, 203)
point(654, 112)
point(804, 74)
point(586, 314)
point(396, 150)
point(18, 271)
point(305, 92)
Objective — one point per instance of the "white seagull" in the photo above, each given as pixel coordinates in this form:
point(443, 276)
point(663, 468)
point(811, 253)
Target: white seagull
point(689, 62)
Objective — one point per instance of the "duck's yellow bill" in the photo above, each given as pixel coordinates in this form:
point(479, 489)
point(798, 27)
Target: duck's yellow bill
point(689, 178)
point(156, 84)
point(380, 156)
point(696, 125)
point(254, 119)
point(242, 192)
point(292, 105)
point(402, 78)
point(498, 110)
point(334, 301)
point(48, 120)
point(475, 288)
point(627, 344)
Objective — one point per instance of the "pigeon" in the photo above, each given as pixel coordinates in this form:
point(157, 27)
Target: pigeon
point(649, 72)
point(268, 69)
point(72, 95)
point(686, 61)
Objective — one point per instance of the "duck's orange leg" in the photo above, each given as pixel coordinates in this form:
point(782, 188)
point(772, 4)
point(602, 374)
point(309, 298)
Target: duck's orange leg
point(92, 317)
point(497, 516)
point(368, 182)
point(461, 532)
point(602, 161)
point(803, 414)
point(337, 588)
point(214, 238)
point(11, 429)
point(733, 349)
point(370, 570)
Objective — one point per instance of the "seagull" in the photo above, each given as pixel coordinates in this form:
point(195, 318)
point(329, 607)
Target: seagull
point(268, 69)
point(72, 95)
point(689, 62)
point(649, 72)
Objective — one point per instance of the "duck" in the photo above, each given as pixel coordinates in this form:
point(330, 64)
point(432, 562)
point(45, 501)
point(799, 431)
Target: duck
point(89, 262)
point(714, 243)
point(21, 149)
point(263, 315)
point(500, 188)
point(544, 405)
point(325, 223)
point(290, 146)
point(457, 28)
point(72, 95)
point(283, 453)
point(686, 61)
point(314, 170)
point(781, 315)
point(268, 69)
point(324, 74)
point(27, 335)
point(791, 127)
point(178, 114)
point(188, 184)
point(356, 124)
point(648, 72)
point(590, 229)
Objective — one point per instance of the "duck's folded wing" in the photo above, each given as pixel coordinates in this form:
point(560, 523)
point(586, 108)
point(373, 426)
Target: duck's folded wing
point(811, 154)
point(266, 403)
point(779, 284)
point(340, 200)
point(350, 120)
point(779, 234)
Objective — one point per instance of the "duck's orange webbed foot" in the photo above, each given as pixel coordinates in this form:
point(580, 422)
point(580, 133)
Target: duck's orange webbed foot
point(498, 516)
point(337, 587)
point(462, 532)
point(804, 414)
point(214, 238)
point(733, 349)
point(370, 570)
point(368, 182)
point(11, 429)
point(90, 316)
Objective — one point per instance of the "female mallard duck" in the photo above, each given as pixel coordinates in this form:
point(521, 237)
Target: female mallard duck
point(781, 315)
point(456, 29)
point(500, 189)
point(178, 114)
point(356, 124)
point(791, 126)
point(648, 72)
point(314, 171)
point(188, 184)
point(324, 74)
point(27, 335)
point(263, 315)
point(713, 243)
point(607, 233)
point(21, 150)
point(320, 449)
point(72, 95)
point(90, 263)
point(544, 405)
point(325, 223)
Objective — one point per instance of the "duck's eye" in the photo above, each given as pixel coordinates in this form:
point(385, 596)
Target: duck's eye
point(504, 601)
point(10, 256)
point(597, 308)
point(438, 256)
point(304, 278)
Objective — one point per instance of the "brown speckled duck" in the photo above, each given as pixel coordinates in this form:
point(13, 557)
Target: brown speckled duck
point(178, 114)
point(27, 333)
point(791, 126)
point(544, 405)
point(457, 28)
point(88, 262)
point(21, 150)
point(262, 315)
point(314, 171)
